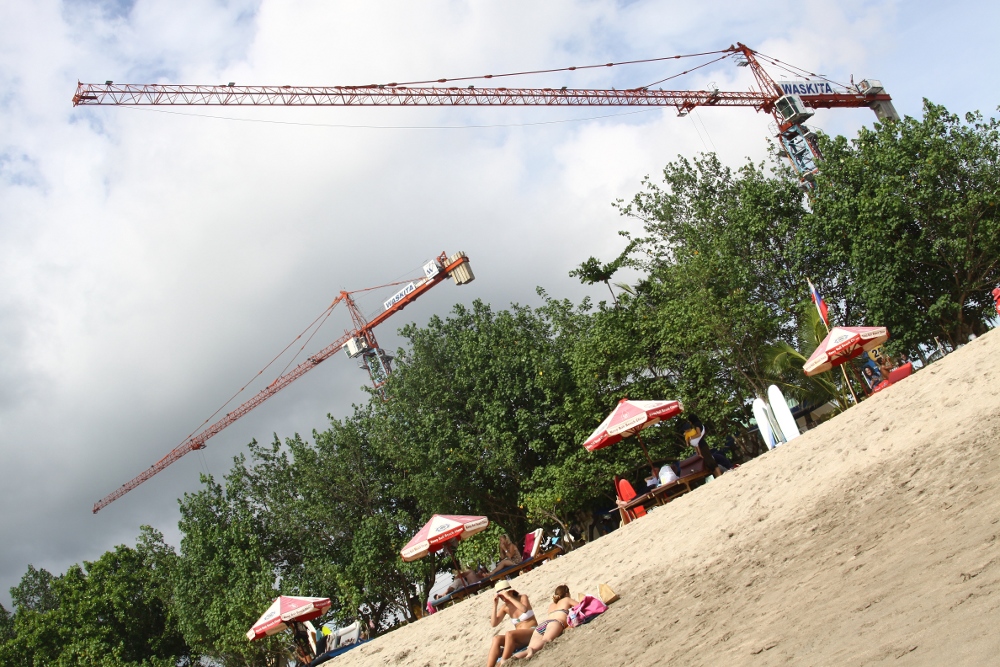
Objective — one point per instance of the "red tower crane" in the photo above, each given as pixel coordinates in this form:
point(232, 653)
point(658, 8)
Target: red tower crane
point(360, 342)
point(790, 103)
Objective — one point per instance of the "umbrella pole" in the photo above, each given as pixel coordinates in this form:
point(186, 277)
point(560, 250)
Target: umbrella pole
point(848, 383)
point(458, 566)
point(842, 369)
point(646, 452)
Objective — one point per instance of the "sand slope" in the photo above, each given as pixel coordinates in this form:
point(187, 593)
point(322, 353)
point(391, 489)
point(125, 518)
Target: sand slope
point(871, 540)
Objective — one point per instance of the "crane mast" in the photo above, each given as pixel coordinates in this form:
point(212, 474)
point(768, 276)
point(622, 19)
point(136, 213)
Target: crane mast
point(360, 342)
point(790, 109)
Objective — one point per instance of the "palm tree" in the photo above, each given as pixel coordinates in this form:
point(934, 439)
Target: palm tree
point(784, 363)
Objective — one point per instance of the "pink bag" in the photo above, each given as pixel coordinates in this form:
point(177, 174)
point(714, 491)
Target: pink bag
point(588, 608)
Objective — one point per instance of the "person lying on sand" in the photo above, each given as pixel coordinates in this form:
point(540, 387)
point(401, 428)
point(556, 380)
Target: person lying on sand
point(554, 626)
point(461, 580)
point(508, 602)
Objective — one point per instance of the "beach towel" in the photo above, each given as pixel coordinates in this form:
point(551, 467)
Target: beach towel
point(588, 608)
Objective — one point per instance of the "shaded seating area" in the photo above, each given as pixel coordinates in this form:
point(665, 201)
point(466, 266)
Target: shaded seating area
point(694, 471)
point(532, 555)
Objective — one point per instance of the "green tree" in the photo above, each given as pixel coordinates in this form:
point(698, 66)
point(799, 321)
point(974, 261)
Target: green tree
point(223, 579)
point(34, 591)
point(337, 522)
point(478, 403)
point(111, 612)
point(6, 625)
point(720, 254)
point(906, 227)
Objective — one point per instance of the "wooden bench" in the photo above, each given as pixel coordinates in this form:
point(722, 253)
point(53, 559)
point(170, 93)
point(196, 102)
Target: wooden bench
point(693, 470)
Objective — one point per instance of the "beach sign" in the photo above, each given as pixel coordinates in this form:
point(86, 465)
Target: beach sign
point(779, 407)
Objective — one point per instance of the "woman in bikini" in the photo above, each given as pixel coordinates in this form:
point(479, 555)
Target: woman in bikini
point(509, 554)
point(508, 602)
point(556, 623)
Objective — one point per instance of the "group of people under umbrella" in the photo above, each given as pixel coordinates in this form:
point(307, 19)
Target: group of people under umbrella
point(443, 532)
point(295, 613)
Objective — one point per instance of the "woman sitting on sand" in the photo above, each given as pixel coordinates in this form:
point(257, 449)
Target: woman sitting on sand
point(509, 554)
point(556, 623)
point(508, 602)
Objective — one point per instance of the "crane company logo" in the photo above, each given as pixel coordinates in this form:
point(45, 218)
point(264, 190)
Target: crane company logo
point(398, 296)
point(431, 269)
point(806, 88)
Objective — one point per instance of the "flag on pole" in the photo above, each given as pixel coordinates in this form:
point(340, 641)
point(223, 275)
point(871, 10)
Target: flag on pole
point(820, 304)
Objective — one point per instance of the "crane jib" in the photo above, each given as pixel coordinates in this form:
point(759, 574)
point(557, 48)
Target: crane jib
point(457, 265)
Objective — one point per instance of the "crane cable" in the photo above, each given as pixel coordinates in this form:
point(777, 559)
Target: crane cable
point(325, 314)
point(542, 71)
point(649, 85)
point(322, 316)
point(798, 71)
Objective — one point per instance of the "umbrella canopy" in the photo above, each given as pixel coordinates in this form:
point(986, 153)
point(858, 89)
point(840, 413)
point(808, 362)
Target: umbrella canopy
point(628, 418)
point(843, 344)
point(287, 609)
point(441, 529)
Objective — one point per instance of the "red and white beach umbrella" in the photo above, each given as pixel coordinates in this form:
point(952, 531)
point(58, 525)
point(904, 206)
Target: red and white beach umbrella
point(441, 529)
point(843, 344)
point(628, 418)
point(287, 609)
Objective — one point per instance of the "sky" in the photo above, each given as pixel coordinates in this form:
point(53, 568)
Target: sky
point(152, 261)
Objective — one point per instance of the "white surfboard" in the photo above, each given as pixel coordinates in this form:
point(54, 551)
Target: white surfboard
point(779, 406)
point(763, 423)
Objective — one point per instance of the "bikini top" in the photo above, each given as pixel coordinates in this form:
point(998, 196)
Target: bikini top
point(523, 617)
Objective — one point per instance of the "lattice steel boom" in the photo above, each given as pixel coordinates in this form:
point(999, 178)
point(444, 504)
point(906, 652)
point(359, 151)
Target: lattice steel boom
point(363, 330)
point(789, 109)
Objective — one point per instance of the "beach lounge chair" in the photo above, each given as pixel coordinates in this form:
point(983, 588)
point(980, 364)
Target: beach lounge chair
point(895, 376)
point(625, 493)
point(532, 555)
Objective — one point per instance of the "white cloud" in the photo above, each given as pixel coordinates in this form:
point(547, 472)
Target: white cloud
point(152, 262)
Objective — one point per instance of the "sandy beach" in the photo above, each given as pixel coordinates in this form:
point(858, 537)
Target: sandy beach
point(873, 539)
